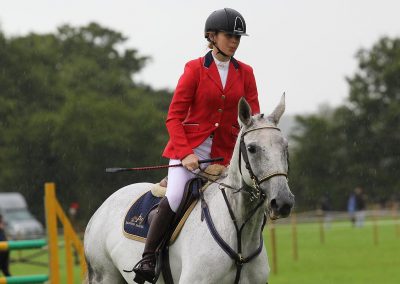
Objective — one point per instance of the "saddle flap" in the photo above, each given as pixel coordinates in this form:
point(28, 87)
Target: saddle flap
point(138, 218)
point(136, 225)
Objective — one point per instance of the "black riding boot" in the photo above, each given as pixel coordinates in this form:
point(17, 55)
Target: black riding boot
point(145, 271)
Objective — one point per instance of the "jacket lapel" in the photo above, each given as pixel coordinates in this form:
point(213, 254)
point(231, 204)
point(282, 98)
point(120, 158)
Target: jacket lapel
point(211, 70)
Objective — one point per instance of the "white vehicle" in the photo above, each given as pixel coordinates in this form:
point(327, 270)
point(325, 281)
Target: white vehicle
point(20, 224)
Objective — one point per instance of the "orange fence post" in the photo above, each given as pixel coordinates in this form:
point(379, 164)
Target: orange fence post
point(396, 219)
point(321, 229)
point(51, 220)
point(71, 239)
point(294, 236)
point(273, 246)
point(68, 256)
point(375, 225)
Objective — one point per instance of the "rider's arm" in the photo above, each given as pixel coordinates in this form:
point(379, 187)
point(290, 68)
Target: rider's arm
point(178, 110)
point(251, 91)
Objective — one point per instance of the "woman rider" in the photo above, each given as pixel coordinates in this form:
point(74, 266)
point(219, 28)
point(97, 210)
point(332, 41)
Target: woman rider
point(202, 118)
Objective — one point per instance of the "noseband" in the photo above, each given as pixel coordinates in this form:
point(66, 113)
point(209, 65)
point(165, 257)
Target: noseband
point(243, 153)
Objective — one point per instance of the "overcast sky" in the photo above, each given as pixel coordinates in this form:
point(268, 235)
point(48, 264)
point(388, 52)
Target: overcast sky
point(302, 47)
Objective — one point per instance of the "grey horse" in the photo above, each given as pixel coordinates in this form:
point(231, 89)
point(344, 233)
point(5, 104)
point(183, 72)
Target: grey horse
point(255, 185)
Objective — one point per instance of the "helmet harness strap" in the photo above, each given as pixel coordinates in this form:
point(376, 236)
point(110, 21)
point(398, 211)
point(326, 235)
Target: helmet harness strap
point(219, 50)
point(215, 44)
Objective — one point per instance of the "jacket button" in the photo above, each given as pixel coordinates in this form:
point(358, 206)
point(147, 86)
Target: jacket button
point(223, 97)
point(216, 124)
point(219, 110)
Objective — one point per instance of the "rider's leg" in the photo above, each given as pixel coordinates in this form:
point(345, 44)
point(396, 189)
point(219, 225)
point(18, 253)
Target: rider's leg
point(177, 179)
point(179, 176)
point(158, 228)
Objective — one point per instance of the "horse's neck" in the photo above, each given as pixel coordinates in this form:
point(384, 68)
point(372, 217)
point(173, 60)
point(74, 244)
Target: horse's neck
point(242, 207)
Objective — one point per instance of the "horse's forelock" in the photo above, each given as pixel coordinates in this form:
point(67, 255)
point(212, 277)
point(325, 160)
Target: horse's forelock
point(260, 120)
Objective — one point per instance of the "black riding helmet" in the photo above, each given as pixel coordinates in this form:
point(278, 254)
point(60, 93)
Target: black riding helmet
point(227, 20)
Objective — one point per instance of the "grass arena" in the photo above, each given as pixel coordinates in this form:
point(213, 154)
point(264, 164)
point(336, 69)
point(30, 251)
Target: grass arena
point(307, 252)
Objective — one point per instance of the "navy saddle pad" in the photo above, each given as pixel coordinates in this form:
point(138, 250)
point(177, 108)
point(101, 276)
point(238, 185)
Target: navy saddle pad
point(135, 223)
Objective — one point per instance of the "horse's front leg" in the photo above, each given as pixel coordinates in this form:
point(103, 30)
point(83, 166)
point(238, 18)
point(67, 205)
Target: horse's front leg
point(207, 268)
point(216, 267)
point(206, 275)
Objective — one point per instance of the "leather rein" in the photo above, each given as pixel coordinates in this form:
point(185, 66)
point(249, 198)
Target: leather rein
point(258, 194)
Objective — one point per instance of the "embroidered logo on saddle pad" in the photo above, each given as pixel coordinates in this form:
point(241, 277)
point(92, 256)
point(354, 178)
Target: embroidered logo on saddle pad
point(136, 225)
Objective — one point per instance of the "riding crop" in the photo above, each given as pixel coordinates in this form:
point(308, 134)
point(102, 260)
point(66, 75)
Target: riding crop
point(118, 170)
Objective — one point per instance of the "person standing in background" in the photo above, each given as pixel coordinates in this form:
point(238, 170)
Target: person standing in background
point(351, 208)
point(359, 207)
point(326, 209)
point(4, 255)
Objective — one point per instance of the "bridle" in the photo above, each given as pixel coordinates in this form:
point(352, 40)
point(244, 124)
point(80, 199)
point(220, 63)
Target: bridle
point(256, 181)
point(236, 255)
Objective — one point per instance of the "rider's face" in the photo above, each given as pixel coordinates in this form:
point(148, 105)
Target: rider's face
point(228, 43)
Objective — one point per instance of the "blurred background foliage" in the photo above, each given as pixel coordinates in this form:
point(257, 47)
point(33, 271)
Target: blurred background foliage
point(70, 107)
point(356, 144)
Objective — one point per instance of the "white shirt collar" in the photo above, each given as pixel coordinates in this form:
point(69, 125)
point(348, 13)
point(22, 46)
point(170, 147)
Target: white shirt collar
point(221, 64)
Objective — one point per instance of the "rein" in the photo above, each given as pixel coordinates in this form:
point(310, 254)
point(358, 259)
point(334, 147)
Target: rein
point(236, 256)
point(259, 194)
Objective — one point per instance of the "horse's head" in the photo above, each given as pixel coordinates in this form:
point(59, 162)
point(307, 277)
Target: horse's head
point(263, 160)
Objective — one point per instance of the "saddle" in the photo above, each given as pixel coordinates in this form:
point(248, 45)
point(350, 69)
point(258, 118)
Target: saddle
point(138, 218)
point(139, 215)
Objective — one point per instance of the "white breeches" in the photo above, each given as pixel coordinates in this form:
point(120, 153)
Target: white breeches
point(178, 176)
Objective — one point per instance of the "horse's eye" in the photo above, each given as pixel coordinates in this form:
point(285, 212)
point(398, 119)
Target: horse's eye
point(251, 149)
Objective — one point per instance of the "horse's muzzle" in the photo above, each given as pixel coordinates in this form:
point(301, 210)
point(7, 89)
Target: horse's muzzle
point(280, 209)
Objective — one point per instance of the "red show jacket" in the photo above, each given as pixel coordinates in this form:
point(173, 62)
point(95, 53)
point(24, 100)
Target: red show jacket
point(201, 106)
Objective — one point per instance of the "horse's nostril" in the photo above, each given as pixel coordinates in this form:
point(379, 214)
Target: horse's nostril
point(274, 205)
point(285, 210)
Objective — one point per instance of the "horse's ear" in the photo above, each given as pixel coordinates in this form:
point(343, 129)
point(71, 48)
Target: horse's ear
point(275, 116)
point(244, 111)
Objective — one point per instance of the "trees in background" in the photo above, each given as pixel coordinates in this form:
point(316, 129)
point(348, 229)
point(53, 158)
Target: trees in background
point(357, 143)
point(69, 108)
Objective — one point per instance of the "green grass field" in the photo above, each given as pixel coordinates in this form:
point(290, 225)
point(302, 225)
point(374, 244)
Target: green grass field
point(29, 269)
point(348, 256)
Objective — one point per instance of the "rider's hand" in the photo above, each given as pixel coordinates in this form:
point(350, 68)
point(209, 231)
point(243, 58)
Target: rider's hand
point(191, 162)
